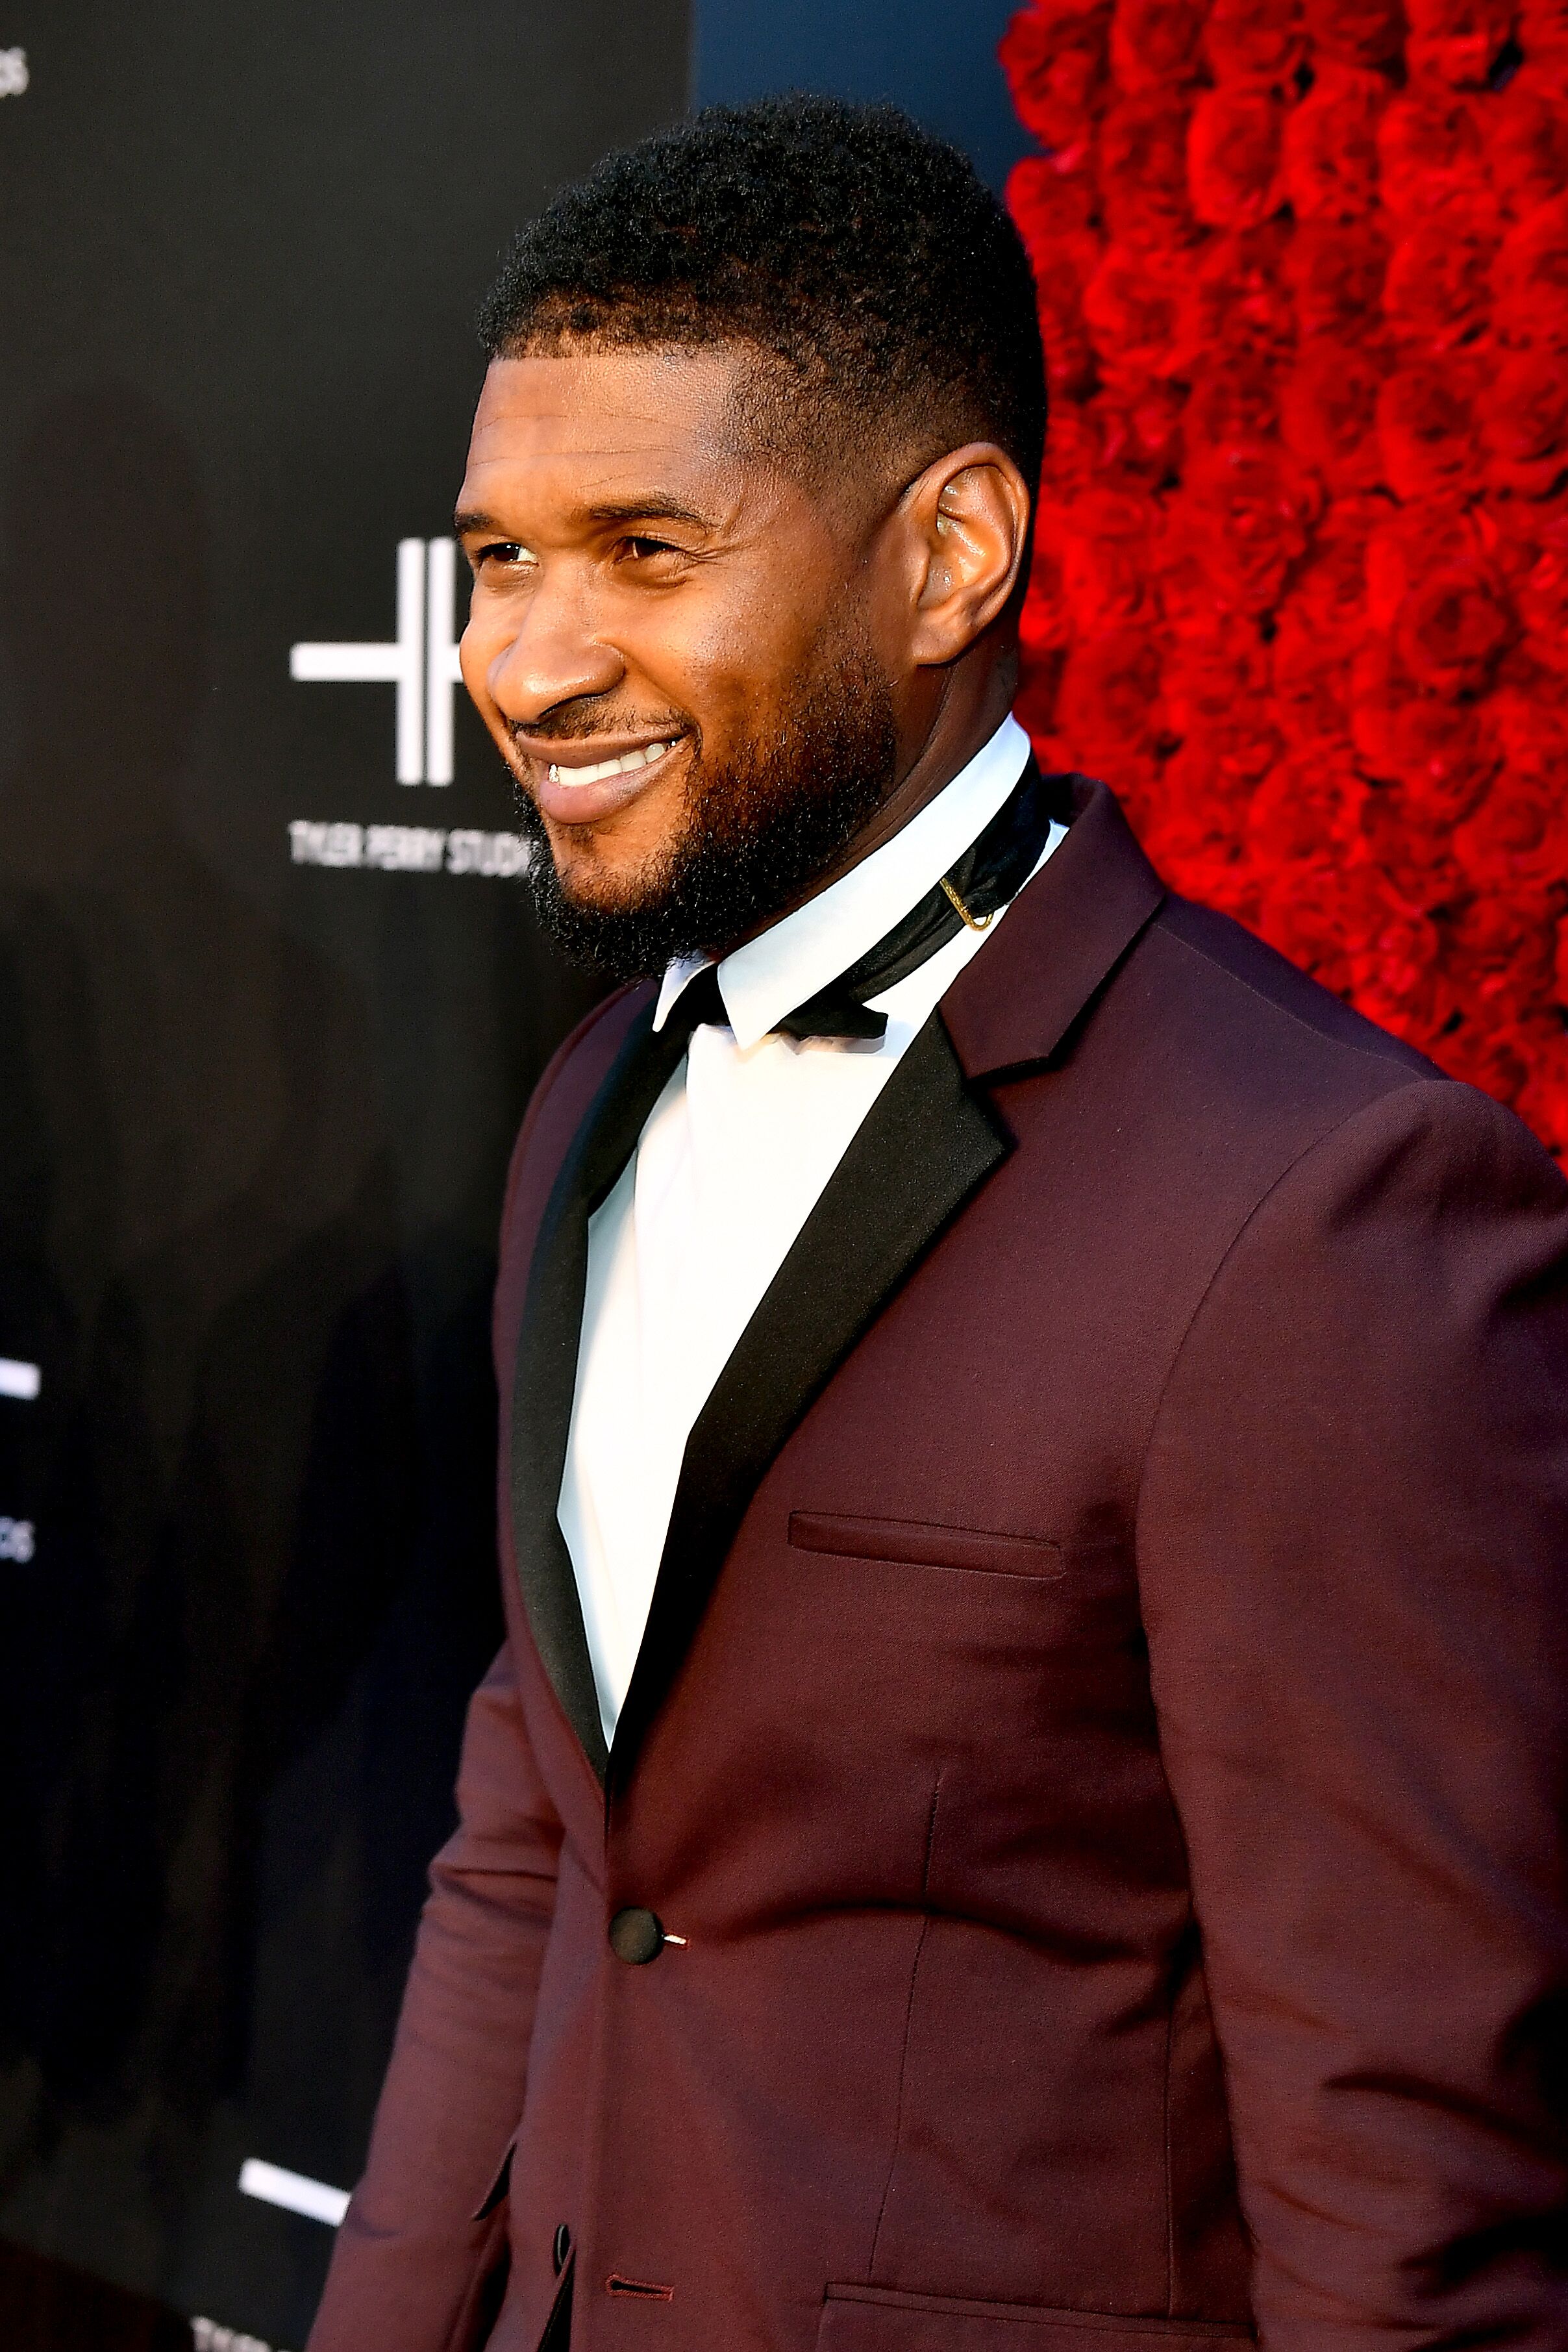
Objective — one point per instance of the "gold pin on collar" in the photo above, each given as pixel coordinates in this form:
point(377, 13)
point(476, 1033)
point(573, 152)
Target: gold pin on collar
point(975, 922)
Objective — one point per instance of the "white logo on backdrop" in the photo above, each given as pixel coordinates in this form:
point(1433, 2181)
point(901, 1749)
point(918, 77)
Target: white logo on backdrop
point(421, 661)
point(23, 1380)
point(12, 72)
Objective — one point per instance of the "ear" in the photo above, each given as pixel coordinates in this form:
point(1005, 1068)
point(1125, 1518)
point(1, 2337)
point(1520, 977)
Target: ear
point(969, 518)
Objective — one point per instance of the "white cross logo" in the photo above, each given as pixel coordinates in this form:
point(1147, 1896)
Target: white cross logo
point(12, 72)
point(421, 661)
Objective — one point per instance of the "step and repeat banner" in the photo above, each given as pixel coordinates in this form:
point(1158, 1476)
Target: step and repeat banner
point(271, 1002)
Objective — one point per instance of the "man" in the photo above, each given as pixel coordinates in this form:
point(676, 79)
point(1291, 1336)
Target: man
point(1020, 1810)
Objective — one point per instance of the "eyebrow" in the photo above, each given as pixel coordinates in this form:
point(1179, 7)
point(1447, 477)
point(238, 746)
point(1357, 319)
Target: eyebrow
point(658, 505)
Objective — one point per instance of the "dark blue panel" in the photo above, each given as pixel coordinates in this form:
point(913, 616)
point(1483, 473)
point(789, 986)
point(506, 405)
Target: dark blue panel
point(936, 58)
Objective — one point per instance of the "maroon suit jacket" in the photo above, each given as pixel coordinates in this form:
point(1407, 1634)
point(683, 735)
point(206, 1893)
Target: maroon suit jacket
point(1100, 1733)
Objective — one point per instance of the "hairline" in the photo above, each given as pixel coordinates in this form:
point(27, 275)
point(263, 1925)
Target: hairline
point(774, 422)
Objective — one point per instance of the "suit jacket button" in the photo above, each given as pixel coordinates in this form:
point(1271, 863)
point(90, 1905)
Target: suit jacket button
point(636, 1936)
point(562, 2248)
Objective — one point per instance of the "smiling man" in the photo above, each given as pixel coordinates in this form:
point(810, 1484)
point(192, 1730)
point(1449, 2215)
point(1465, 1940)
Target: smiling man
point(1020, 1809)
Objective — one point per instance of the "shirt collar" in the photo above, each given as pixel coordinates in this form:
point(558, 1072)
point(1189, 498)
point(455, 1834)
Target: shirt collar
point(801, 953)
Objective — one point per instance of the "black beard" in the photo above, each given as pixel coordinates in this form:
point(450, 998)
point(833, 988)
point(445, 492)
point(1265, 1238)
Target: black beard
point(757, 832)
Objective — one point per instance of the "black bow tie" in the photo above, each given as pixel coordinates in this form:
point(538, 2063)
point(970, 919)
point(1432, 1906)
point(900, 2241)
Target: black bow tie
point(992, 870)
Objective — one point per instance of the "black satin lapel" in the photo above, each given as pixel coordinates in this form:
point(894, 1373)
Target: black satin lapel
point(923, 1148)
point(545, 1384)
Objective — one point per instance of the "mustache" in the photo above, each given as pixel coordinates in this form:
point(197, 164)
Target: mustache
point(577, 723)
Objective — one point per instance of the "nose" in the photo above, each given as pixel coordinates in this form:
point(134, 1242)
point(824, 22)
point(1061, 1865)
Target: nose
point(551, 655)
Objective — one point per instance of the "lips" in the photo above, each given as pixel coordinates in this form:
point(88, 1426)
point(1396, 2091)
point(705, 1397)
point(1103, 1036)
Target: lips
point(574, 789)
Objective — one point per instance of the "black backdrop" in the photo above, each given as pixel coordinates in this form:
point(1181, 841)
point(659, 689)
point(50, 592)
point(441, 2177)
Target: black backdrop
point(254, 1111)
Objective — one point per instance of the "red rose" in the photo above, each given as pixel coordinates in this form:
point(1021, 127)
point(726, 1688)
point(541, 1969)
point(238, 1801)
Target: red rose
point(1051, 209)
point(1045, 625)
point(1443, 753)
point(1215, 693)
point(1307, 807)
point(1300, 911)
point(1053, 55)
point(1335, 269)
point(1524, 423)
point(1544, 31)
point(1060, 283)
point(1130, 311)
point(1427, 426)
point(1328, 412)
point(1108, 703)
point(1233, 157)
point(1394, 950)
point(1253, 40)
point(1503, 950)
point(1453, 629)
point(1072, 452)
point(1457, 41)
point(1530, 279)
point(1137, 431)
point(1064, 336)
point(1532, 553)
point(1531, 723)
point(1105, 543)
point(1246, 513)
point(1331, 588)
point(1517, 840)
point(1409, 543)
point(1143, 172)
point(1190, 827)
point(1527, 139)
point(1331, 145)
point(1500, 953)
point(1234, 399)
point(1312, 684)
point(1406, 843)
point(1154, 42)
point(1193, 600)
point(1438, 291)
point(1356, 31)
point(1482, 1058)
point(1234, 299)
point(1051, 206)
point(1431, 154)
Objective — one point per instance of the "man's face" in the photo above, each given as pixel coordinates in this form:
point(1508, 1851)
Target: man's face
point(674, 641)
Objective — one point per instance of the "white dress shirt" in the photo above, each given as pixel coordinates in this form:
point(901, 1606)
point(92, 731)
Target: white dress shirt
point(731, 1162)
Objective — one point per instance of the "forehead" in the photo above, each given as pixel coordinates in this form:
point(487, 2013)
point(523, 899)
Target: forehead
point(587, 425)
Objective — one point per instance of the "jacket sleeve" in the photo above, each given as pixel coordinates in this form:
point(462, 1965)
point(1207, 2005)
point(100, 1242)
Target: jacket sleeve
point(408, 2273)
point(1352, 1544)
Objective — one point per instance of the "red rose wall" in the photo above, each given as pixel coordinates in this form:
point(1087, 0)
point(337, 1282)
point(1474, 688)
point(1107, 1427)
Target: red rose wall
point(1301, 591)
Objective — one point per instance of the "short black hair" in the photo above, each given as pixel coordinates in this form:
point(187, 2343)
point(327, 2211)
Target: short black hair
point(867, 257)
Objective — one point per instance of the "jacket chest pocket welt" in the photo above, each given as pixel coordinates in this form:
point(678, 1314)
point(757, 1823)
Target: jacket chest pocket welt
point(914, 1543)
point(960, 1642)
point(882, 2319)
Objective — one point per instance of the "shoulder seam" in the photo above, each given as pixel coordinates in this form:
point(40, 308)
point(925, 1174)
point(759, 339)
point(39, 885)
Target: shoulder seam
point(1345, 1045)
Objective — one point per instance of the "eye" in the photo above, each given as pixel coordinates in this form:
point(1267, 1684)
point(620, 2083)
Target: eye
point(500, 551)
point(644, 549)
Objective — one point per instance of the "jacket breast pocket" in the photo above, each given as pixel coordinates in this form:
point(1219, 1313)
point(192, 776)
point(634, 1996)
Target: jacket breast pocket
point(918, 1543)
point(883, 2319)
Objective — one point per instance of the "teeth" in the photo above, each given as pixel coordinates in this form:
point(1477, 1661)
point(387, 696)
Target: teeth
point(603, 768)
